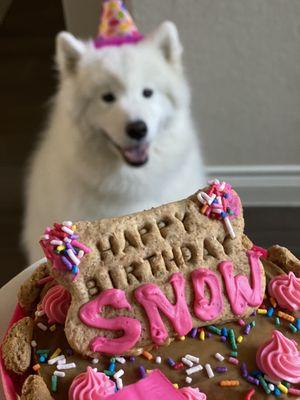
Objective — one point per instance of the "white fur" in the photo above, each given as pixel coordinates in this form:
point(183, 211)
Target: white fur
point(76, 172)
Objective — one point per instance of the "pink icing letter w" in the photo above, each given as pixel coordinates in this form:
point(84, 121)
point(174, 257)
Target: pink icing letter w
point(90, 315)
point(242, 294)
point(153, 300)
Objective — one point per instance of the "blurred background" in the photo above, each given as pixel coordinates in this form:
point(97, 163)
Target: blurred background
point(243, 61)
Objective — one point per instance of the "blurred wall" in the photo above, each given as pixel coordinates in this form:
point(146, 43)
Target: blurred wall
point(243, 62)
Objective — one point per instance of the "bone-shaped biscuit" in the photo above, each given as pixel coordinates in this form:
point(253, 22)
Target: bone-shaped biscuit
point(152, 247)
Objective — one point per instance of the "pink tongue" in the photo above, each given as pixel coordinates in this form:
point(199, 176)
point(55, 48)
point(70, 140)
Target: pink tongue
point(136, 154)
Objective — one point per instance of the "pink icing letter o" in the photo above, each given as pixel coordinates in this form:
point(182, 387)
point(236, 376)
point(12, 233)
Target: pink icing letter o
point(89, 314)
point(242, 294)
point(152, 299)
point(205, 309)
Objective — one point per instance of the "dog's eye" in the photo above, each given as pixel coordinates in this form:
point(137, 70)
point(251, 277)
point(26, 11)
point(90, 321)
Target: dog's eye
point(147, 93)
point(108, 97)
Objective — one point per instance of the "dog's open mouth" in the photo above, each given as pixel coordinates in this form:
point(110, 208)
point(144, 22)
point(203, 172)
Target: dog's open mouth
point(136, 155)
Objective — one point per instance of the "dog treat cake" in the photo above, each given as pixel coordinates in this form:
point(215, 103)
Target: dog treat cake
point(170, 303)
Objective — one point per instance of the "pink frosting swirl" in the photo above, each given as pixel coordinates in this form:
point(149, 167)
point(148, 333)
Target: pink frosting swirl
point(56, 304)
point(192, 393)
point(279, 358)
point(91, 385)
point(286, 291)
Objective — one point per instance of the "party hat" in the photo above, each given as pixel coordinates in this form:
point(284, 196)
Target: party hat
point(116, 25)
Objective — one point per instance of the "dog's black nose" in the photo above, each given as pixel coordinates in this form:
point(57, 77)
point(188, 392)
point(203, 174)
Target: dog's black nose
point(137, 130)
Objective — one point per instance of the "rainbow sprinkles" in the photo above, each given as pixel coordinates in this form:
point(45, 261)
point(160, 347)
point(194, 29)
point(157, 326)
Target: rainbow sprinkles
point(220, 202)
point(62, 247)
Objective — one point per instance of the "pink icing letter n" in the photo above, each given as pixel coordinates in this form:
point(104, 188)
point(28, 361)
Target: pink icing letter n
point(90, 315)
point(153, 300)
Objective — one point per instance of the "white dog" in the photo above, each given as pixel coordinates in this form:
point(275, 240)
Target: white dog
point(120, 137)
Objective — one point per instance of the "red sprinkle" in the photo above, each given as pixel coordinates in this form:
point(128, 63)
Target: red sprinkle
point(45, 280)
point(249, 394)
point(178, 365)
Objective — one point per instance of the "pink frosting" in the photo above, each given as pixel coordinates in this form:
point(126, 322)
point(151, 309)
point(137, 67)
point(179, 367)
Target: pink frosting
point(240, 291)
point(192, 393)
point(56, 304)
point(90, 315)
point(279, 358)
point(152, 299)
point(207, 309)
point(91, 385)
point(286, 291)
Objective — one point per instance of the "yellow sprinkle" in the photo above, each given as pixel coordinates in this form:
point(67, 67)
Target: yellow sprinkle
point(273, 302)
point(147, 355)
point(182, 338)
point(52, 328)
point(202, 335)
point(229, 383)
point(262, 311)
point(240, 339)
point(283, 388)
point(204, 208)
point(56, 353)
point(175, 385)
point(148, 371)
point(285, 316)
point(74, 227)
point(60, 248)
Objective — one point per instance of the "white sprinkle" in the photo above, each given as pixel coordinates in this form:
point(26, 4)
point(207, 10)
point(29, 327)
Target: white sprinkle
point(39, 313)
point(158, 360)
point(66, 366)
point(42, 326)
point(271, 387)
point(188, 379)
point(80, 254)
point(219, 357)
point(33, 343)
point(267, 378)
point(214, 181)
point(67, 230)
point(75, 260)
point(229, 227)
point(187, 362)
point(194, 369)
point(55, 242)
point(54, 360)
point(61, 374)
point(67, 240)
point(95, 360)
point(121, 360)
point(61, 362)
point(95, 369)
point(45, 237)
point(222, 186)
point(119, 383)
point(192, 358)
point(209, 371)
point(119, 373)
point(67, 223)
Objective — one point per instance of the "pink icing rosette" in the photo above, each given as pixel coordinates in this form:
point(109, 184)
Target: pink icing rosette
point(192, 393)
point(91, 385)
point(56, 304)
point(286, 291)
point(279, 358)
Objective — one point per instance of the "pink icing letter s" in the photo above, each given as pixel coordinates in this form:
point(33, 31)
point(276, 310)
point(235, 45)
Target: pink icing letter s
point(90, 315)
point(241, 294)
point(205, 309)
point(153, 300)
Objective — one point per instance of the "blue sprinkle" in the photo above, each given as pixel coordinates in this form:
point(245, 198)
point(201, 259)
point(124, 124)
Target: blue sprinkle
point(42, 359)
point(112, 367)
point(132, 359)
point(277, 392)
point(298, 323)
point(226, 195)
point(256, 373)
point(270, 312)
point(224, 332)
point(74, 269)
point(223, 214)
point(171, 362)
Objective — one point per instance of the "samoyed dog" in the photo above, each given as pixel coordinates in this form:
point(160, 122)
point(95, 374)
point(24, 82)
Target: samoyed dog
point(120, 137)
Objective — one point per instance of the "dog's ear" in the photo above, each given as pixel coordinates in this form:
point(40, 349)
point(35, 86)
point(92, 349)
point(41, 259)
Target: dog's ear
point(68, 52)
point(166, 38)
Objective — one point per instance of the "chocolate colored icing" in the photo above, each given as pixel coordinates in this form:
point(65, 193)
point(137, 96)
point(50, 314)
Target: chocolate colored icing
point(205, 350)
